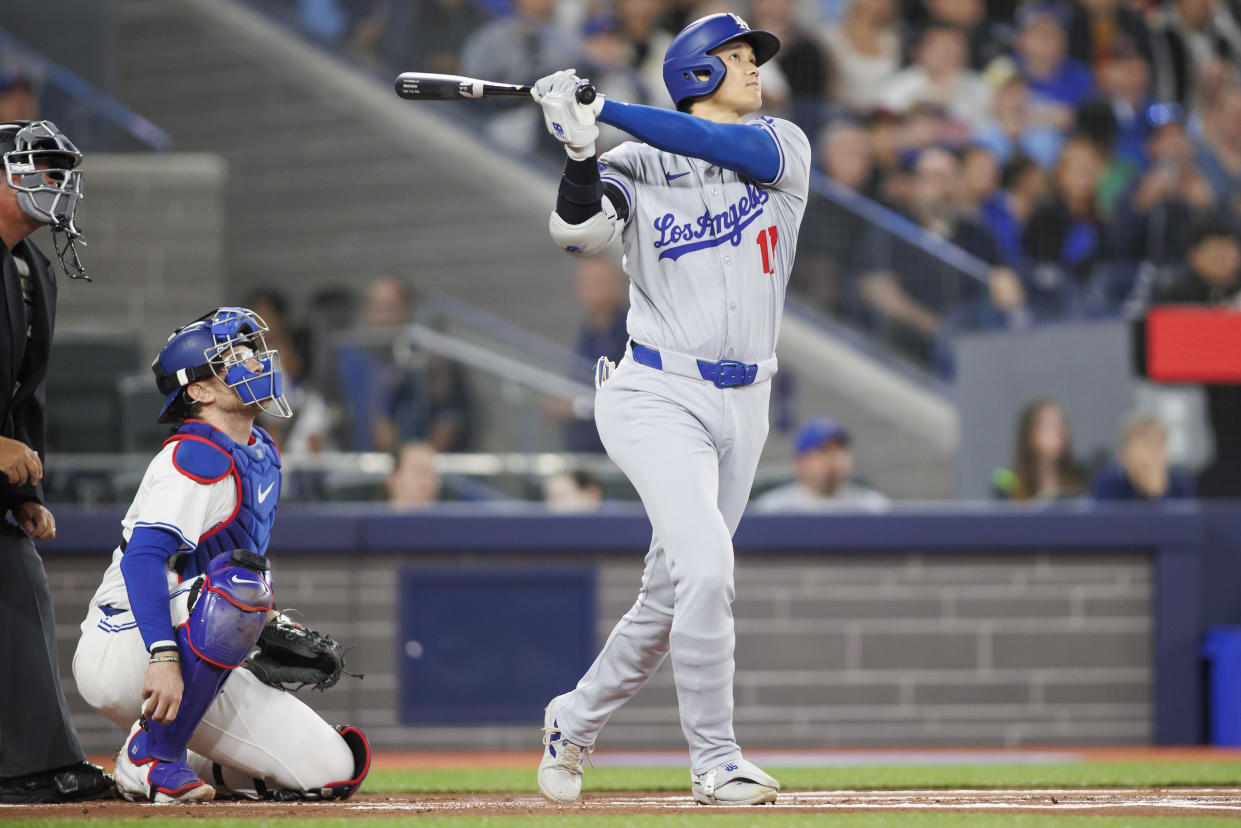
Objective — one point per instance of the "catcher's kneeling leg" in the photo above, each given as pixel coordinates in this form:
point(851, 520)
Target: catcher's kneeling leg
point(236, 783)
point(228, 608)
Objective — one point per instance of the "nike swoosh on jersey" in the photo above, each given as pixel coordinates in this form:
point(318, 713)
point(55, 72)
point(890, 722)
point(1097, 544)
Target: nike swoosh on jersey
point(671, 176)
point(263, 493)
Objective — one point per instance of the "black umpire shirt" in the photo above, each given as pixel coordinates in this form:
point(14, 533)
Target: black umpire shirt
point(25, 345)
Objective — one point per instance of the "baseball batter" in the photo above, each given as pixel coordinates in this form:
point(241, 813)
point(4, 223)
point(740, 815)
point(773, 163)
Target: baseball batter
point(708, 208)
point(189, 593)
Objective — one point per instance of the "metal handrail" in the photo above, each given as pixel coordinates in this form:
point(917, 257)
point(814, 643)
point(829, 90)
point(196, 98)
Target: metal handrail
point(797, 308)
point(485, 322)
point(500, 365)
point(79, 89)
point(378, 464)
point(902, 228)
point(373, 463)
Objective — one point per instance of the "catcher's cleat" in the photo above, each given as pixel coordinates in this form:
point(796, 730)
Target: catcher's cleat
point(734, 783)
point(140, 777)
point(560, 770)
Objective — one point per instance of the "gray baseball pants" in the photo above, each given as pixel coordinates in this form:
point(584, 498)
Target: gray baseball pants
point(691, 451)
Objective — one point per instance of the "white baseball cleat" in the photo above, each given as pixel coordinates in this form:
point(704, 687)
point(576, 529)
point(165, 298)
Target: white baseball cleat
point(560, 769)
point(141, 777)
point(734, 783)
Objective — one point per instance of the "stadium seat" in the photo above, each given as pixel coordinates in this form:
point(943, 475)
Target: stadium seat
point(82, 411)
point(140, 402)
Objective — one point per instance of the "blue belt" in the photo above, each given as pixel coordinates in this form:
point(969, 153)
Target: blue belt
point(726, 373)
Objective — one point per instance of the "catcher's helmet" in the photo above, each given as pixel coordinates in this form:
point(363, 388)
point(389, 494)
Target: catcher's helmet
point(687, 55)
point(210, 346)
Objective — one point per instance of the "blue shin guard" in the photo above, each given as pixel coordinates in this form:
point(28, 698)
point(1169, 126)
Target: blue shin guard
point(228, 609)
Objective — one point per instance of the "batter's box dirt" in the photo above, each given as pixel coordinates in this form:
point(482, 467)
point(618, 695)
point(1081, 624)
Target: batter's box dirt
point(1181, 802)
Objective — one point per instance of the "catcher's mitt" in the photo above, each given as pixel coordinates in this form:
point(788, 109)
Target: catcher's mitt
point(291, 656)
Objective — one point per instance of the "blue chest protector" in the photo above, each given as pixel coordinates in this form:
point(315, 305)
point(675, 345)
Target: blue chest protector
point(207, 455)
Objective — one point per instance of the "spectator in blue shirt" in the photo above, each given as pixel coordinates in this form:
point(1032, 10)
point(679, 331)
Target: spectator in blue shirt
point(1065, 236)
point(1154, 216)
point(1141, 471)
point(1042, 54)
point(1124, 82)
point(1023, 186)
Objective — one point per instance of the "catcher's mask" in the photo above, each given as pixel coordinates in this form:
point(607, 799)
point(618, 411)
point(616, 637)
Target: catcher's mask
point(229, 344)
point(41, 164)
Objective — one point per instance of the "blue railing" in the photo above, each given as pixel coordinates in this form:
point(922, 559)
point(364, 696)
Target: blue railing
point(80, 109)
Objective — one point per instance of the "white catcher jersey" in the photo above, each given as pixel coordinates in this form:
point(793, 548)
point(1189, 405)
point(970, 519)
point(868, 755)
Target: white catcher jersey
point(709, 253)
point(170, 501)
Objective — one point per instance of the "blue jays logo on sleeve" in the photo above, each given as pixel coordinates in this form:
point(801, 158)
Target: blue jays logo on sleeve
point(708, 229)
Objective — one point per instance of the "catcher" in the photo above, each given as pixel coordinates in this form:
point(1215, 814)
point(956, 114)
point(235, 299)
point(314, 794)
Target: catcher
point(188, 597)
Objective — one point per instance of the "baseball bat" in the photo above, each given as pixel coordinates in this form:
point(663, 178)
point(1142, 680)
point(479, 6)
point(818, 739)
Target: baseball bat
point(428, 86)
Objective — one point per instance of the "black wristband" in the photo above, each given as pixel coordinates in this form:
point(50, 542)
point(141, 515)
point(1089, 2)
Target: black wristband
point(165, 648)
point(587, 195)
point(581, 191)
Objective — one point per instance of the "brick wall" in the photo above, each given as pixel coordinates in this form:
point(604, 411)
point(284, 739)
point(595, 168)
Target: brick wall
point(881, 649)
point(155, 228)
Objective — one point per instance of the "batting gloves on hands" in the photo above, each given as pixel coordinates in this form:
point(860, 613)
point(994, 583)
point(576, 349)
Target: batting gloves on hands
point(570, 122)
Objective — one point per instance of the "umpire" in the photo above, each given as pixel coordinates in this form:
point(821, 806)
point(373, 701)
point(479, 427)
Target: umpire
point(40, 758)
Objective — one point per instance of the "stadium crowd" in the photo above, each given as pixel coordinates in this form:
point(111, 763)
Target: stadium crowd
point(1068, 147)
point(980, 166)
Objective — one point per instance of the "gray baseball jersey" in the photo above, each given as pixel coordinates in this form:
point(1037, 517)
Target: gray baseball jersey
point(708, 252)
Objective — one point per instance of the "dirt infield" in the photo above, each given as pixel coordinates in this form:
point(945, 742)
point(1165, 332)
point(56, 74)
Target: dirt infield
point(1179, 802)
point(780, 757)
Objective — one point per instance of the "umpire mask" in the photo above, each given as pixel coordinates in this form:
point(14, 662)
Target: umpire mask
point(41, 164)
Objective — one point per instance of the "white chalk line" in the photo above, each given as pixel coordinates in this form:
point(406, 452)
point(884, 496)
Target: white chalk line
point(1057, 799)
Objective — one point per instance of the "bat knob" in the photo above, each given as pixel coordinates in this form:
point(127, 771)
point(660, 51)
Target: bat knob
point(586, 93)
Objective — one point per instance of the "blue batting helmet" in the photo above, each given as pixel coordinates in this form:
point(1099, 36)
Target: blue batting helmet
point(687, 55)
point(227, 343)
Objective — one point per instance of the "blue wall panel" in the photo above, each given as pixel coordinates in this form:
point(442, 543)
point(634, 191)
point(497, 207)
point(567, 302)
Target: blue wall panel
point(492, 644)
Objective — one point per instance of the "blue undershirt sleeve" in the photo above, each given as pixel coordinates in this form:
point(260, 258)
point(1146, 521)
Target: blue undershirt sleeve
point(746, 149)
point(145, 567)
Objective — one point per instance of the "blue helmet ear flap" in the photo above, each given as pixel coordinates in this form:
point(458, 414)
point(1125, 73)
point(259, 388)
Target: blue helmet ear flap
point(689, 70)
point(168, 401)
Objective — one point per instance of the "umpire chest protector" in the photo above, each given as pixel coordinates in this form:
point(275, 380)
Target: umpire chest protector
point(207, 455)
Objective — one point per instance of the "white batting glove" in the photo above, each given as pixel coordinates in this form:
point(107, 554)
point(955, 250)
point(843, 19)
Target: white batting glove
point(570, 122)
point(604, 368)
